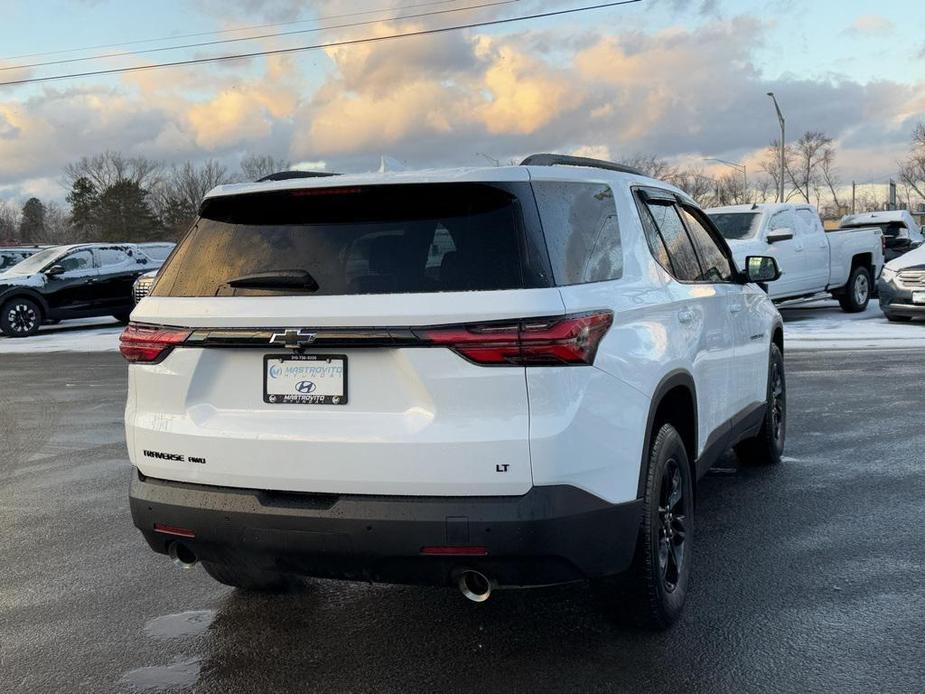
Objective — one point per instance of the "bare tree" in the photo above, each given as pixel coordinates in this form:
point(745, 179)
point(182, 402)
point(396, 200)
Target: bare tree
point(770, 165)
point(254, 166)
point(651, 165)
point(177, 197)
point(809, 152)
point(829, 175)
point(109, 168)
point(912, 168)
point(9, 221)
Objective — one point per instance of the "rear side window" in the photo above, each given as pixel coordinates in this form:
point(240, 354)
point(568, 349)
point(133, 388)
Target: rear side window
point(810, 220)
point(112, 256)
point(369, 240)
point(157, 252)
point(678, 244)
point(782, 220)
point(580, 225)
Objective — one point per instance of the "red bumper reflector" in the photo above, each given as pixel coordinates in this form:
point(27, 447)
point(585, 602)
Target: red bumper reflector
point(442, 551)
point(172, 530)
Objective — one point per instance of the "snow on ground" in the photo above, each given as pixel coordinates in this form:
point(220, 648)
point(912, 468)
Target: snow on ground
point(819, 324)
point(822, 324)
point(81, 335)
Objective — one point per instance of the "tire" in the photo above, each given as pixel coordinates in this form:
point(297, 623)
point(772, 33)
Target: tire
point(857, 291)
point(651, 594)
point(894, 318)
point(256, 580)
point(122, 317)
point(767, 447)
point(20, 317)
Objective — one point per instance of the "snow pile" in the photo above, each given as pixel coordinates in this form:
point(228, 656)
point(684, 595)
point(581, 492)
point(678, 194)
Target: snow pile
point(823, 325)
point(83, 335)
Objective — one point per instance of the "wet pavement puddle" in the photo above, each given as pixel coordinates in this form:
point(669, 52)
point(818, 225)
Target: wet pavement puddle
point(159, 678)
point(184, 624)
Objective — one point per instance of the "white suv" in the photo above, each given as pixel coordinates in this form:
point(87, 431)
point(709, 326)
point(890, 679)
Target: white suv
point(478, 377)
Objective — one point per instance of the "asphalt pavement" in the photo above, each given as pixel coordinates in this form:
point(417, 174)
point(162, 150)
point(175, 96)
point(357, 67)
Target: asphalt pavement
point(808, 577)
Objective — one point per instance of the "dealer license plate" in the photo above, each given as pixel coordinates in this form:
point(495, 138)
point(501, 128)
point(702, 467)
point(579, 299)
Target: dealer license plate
point(305, 379)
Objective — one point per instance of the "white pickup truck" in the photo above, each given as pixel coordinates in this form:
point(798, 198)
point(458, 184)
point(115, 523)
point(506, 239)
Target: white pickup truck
point(844, 263)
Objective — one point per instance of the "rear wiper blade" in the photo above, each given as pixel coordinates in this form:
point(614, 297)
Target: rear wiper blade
point(276, 279)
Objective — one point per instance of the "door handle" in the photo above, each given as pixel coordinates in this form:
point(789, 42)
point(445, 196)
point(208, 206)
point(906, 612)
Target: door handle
point(685, 315)
point(735, 308)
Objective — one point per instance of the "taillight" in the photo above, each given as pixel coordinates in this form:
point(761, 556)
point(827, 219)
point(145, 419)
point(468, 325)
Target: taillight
point(147, 343)
point(557, 341)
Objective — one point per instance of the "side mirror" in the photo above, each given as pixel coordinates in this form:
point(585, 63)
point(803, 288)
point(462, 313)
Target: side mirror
point(779, 235)
point(761, 269)
point(55, 270)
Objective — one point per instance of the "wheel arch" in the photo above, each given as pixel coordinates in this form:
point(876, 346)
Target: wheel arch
point(863, 260)
point(674, 401)
point(25, 293)
point(777, 336)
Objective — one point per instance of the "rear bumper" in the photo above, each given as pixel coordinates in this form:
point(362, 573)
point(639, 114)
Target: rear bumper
point(550, 535)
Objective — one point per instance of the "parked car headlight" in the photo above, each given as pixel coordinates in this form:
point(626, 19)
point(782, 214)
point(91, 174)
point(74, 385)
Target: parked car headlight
point(888, 274)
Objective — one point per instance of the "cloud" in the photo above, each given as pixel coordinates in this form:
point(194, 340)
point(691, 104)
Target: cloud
point(870, 25)
point(684, 92)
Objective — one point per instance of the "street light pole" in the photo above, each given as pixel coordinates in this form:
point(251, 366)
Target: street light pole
point(783, 165)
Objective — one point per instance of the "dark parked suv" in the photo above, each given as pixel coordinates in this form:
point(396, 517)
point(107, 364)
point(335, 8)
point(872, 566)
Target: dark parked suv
point(76, 281)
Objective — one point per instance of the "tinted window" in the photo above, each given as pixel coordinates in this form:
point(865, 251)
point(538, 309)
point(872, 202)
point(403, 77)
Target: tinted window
point(580, 224)
point(680, 250)
point(736, 225)
point(715, 264)
point(112, 256)
point(375, 240)
point(78, 260)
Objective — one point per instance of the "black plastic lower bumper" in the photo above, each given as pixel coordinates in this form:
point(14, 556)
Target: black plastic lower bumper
point(549, 535)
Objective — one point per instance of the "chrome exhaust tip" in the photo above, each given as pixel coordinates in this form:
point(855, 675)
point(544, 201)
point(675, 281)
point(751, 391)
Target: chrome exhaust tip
point(474, 586)
point(182, 555)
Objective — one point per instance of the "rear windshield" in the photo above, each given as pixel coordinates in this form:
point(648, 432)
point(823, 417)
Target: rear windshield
point(736, 225)
point(372, 240)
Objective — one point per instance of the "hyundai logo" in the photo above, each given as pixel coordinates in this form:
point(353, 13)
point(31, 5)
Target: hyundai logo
point(305, 387)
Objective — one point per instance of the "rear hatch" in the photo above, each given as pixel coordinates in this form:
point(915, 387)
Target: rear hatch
point(344, 339)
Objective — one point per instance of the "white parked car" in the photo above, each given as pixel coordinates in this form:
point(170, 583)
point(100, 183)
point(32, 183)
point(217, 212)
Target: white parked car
point(901, 233)
point(844, 263)
point(475, 377)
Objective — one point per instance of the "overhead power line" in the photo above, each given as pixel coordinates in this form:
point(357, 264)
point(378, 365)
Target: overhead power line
point(418, 15)
point(176, 37)
point(332, 44)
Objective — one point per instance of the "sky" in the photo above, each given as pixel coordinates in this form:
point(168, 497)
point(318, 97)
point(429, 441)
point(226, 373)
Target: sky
point(681, 79)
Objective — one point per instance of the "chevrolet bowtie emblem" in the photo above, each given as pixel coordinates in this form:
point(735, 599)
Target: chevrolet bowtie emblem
point(293, 339)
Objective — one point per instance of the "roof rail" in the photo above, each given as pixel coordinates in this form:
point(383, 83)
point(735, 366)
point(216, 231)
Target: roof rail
point(566, 160)
point(286, 175)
